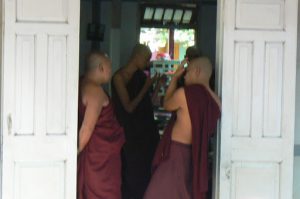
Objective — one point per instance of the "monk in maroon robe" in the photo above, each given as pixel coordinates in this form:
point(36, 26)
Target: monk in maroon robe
point(100, 135)
point(181, 161)
point(131, 96)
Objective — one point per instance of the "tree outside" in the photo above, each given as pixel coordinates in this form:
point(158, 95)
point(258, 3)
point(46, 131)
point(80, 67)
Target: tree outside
point(158, 41)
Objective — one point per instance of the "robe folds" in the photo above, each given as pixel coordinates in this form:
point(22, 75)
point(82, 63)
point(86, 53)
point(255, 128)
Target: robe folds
point(173, 178)
point(99, 163)
point(142, 137)
point(204, 113)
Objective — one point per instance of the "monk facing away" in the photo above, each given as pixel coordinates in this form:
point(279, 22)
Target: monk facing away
point(180, 164)
point(100, 135)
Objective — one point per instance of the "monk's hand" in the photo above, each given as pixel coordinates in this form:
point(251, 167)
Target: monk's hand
point(150, 80)
point(162, 79)
point(179, 72)
point(156, 78)
point(183, 62)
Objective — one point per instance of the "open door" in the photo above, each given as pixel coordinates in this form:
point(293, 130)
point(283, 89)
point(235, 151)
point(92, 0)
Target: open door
point(258, 98)
point(39, 98)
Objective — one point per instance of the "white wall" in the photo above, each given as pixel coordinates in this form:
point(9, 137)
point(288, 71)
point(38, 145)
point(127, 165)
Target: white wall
point(1, 51)
point(297, 122)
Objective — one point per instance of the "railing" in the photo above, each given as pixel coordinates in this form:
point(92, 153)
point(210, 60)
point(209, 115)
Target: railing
point(166, 67)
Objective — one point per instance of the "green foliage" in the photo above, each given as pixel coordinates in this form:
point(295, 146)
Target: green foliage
point(154, 37)
point(185, 37)
point(158, 37)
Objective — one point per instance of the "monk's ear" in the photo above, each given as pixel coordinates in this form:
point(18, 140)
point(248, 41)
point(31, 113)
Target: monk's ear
point(101, 67)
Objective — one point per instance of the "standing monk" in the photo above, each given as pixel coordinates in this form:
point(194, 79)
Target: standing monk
point(191, 53)
point(100, 136)
point(130, 92)
point(181, 160)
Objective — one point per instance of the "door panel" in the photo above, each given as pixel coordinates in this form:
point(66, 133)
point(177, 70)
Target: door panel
point(258, 98)
point(40, 85)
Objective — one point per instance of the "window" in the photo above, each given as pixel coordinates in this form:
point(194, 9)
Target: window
point(168, 15)
point(167, 44)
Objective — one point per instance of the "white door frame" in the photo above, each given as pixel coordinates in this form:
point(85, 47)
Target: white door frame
point(1, 102)
point(218, 83)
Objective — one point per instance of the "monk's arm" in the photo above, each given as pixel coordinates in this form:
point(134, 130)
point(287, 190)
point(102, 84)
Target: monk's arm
point(129, 105)
point(159, 83)
point(173, 97)
point(175, 101)
point(94, 103)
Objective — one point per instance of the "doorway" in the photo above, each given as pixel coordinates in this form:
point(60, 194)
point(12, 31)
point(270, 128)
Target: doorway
point(130, 31)
point(250, 40)
point(250, 32)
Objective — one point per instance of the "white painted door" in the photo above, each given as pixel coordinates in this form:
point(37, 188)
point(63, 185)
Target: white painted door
point(258, 96)
point(39, 98)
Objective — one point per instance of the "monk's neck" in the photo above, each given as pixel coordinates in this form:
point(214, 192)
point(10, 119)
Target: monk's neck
point(94, 80)
point(130, 68)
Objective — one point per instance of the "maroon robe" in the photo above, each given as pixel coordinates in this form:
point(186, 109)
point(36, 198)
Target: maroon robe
point(204, 113)
point(142, 138)
point(99, 163)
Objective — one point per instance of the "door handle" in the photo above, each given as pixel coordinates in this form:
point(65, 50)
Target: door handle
point(9, 124)
point(228, 172)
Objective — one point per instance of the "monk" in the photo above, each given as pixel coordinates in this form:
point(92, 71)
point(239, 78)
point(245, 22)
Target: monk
point(100, 135)
point(131, 95)
point(181, 161)
point(191, 53)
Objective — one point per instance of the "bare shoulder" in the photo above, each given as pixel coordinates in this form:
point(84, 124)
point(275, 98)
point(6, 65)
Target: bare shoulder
point(180, 92)
point(118, 78)
point(175, 101)
point(93, 93)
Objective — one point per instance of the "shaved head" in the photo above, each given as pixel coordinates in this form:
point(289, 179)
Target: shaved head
point(192, 52)
point(94, 59)
point(204, 64)
point(199, 70)
point(141, 49)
